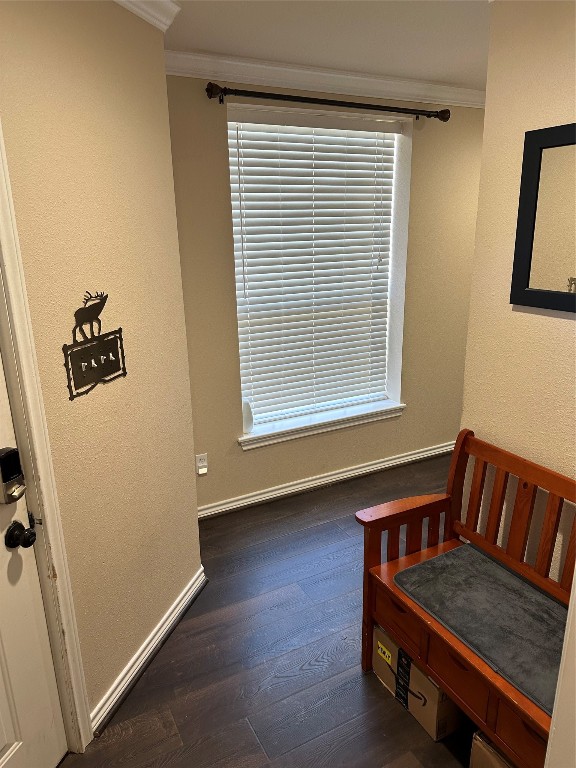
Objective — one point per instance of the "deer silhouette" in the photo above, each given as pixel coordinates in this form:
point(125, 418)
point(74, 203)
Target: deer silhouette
point(89, 314)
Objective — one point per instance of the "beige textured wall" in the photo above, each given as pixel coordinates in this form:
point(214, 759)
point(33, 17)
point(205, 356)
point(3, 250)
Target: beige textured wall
point(520, 382)
point(520, 385)
point(445, 172)
point(84, 112)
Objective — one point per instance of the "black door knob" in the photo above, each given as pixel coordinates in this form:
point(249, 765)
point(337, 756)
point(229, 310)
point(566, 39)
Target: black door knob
point(18, 536)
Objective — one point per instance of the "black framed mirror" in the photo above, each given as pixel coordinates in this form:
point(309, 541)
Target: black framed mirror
point(544, 272)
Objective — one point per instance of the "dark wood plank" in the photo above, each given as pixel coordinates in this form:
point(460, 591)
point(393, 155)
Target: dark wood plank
point(337, 581)
point(224, 565)
point(254, 612)
point(382, 736)
point(298, 719)
point(349, 525)
point(251, 645)
point(273, 575)
point(212, 644)
point(234, 746)
point(201, 710)
point(142, 739)
point(201, 704)
point(377, 736)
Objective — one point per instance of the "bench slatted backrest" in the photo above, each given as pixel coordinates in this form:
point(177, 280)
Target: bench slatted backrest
point(530, 478)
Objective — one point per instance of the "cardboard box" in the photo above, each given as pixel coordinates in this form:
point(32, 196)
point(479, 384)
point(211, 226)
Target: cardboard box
point(417, 693)
point(485, 755)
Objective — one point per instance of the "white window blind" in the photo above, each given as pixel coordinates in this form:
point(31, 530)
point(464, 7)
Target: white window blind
point(312, 213)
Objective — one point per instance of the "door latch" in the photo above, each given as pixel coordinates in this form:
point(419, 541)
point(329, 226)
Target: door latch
point(12, 485)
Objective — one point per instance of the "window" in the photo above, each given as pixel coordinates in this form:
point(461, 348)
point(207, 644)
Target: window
point(319, 204)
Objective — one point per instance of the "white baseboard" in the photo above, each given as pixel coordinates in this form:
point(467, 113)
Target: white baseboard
point(318, 480)
point(147, 649)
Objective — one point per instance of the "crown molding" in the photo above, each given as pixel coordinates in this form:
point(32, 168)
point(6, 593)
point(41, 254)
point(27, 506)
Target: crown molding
point(160, 13)
point(272, 74)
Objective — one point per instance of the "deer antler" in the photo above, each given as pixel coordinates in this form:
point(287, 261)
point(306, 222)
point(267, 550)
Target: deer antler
point(88, 296)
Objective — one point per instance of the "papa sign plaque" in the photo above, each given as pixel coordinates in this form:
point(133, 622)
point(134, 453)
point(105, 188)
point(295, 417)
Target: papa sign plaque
point(95, 357)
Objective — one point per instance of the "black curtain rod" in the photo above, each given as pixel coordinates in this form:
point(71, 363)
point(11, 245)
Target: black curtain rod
point(216, 91)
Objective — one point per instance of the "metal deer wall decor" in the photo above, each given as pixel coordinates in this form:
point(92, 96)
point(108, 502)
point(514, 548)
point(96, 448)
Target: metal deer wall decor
point(96, 357)
point(89, 314)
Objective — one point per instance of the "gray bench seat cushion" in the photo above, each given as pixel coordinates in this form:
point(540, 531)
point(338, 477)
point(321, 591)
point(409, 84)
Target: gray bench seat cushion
point(515, 627)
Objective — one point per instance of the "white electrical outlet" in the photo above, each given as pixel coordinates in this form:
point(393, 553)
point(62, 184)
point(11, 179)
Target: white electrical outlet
point(201, 463)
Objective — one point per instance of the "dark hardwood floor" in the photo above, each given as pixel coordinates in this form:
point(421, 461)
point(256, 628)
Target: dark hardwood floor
point(264, 668)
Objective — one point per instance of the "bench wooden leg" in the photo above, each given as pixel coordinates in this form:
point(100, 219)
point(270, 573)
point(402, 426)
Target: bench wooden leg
point(367, 636)
point(372, 557)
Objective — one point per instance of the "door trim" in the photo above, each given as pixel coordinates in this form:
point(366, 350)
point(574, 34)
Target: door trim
point(23, 379)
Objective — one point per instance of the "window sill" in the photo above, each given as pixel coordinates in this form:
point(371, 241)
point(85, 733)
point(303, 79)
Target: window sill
point(289, 429)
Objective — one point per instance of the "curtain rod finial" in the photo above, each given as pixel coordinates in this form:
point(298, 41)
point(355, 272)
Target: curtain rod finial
point(213, 90)
point(444, 115)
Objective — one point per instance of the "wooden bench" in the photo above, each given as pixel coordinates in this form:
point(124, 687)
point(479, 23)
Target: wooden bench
point(515, 724)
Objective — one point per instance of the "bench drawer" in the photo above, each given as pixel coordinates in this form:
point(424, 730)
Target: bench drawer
point(520, 737)
point(459, 676)
point(391, 613)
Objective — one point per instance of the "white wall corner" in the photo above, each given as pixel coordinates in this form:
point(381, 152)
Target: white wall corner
point(160, 13)
point(147, 650)
point(272, 74)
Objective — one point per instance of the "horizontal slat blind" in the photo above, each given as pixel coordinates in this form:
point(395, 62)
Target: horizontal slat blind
point(312, 211)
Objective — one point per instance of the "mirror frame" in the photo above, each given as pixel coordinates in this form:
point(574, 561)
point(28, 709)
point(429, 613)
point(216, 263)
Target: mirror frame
point(520, 292)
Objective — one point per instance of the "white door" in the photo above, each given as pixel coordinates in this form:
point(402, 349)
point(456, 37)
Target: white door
point(31, 727)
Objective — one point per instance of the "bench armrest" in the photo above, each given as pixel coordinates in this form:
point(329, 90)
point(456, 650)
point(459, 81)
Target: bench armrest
point(389, 517)
point(401, 511)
